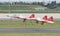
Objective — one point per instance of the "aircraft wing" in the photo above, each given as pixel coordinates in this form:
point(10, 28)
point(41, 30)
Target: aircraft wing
point(50, 22)
point(39, 19)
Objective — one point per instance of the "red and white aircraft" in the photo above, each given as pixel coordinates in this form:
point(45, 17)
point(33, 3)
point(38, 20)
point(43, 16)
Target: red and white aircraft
point(45, 19)
point(31, 17)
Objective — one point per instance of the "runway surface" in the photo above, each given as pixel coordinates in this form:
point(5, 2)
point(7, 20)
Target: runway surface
point(29, 30)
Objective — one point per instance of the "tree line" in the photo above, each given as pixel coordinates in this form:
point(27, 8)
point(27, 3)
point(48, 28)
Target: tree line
point(51, 5)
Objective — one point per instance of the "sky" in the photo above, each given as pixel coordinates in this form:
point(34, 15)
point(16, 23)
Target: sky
point(29, 0)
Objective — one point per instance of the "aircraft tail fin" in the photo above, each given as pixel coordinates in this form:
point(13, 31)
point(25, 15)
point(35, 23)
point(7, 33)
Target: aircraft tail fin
point(45, 18)
point(32, 16)
point(51, 19)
